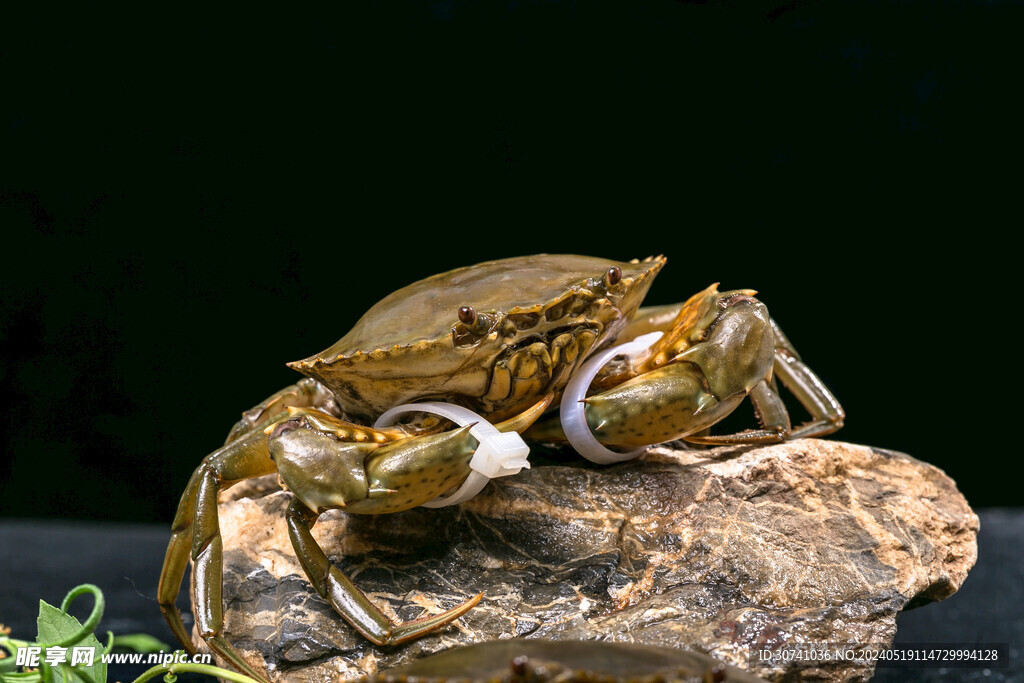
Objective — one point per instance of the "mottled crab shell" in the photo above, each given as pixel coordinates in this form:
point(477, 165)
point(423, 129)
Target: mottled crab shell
point(536, 319)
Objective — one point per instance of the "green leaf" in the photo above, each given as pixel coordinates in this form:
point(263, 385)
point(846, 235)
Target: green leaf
point(141, 642)
point(56, 626)
point(26, 677)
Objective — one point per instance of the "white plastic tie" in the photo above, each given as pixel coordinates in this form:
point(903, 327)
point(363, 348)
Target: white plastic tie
point(574, 420)
point(499, 454)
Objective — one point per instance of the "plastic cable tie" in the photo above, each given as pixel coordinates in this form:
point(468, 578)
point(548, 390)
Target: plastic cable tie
point(574, 420)
point(499, 454)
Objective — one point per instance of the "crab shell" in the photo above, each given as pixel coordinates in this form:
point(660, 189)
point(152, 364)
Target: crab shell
point(536, 319)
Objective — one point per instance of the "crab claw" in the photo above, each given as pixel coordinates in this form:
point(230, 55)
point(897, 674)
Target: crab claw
point(440, 461)
point(397, 476)
point(719, 347)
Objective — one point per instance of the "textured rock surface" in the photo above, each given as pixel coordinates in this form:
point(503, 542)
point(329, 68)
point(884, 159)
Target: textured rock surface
point(726, 551)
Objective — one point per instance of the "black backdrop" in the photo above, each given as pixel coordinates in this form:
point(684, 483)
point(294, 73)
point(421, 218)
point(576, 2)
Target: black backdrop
point(189, 202)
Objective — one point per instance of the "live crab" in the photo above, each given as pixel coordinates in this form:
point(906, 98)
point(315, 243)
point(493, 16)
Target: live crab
point(501, 338)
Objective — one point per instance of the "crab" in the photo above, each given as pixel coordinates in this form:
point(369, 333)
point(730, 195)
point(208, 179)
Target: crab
point(502, 338)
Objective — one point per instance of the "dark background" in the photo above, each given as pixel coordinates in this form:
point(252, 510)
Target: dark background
point(191, 201)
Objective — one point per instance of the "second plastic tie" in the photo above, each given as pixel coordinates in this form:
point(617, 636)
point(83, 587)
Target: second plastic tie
point(574, 420)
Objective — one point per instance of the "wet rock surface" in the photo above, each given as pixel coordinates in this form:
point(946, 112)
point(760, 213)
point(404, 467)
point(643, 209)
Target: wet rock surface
point(726, 551)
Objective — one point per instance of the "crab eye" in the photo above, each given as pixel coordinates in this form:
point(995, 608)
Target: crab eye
point(467, 315)
point(613, 276)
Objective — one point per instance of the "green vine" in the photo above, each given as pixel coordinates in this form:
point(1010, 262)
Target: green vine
point(58, 631)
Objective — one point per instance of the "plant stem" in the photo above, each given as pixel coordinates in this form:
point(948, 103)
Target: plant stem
point(207, 669)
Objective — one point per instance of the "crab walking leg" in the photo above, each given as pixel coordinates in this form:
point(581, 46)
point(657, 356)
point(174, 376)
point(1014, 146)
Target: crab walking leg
point(244, 458)
point(175, 562)
point(250, 450)
point(346, 598)
point(827, 415)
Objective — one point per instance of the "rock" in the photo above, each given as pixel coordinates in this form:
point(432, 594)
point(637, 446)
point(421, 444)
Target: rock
point(728, 551)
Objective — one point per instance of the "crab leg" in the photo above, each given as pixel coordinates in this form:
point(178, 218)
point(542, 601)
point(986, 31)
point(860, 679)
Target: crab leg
point(244, 458)
point(827, 414)
point(175, 562)
point(346, 598)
